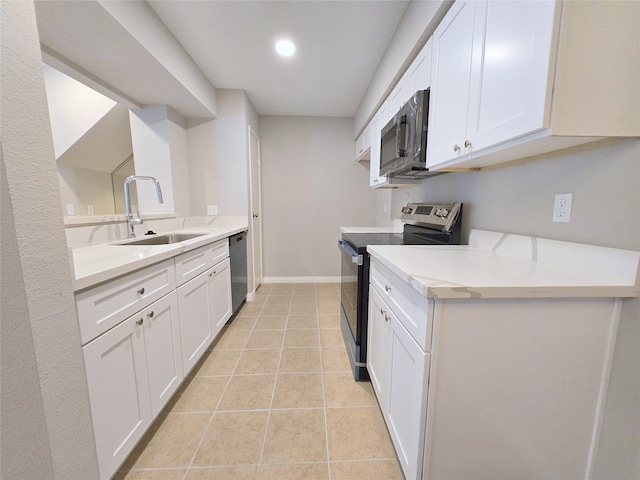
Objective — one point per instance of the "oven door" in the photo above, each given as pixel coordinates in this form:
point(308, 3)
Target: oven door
point(351, 269)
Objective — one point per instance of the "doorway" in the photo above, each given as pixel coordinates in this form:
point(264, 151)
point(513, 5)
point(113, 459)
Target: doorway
point(255, 183)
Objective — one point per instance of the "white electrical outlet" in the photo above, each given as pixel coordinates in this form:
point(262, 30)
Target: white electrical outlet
point(90, 210)
point(70, 210)
point(212, 209)
point(562, 207)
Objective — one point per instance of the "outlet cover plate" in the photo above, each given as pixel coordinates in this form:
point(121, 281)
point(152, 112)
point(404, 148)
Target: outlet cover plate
point(212, 210)
point(562, 207)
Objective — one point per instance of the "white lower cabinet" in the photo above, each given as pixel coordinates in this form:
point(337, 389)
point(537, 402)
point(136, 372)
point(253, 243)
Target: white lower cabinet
point(132, 371)
point(196, 330)
point(399, 370)
point(205, 307)
point(142, 335)
point(220, 295)
point(498, 388)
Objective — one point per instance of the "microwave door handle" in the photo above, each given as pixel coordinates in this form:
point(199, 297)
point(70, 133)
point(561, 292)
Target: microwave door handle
point(401, 136)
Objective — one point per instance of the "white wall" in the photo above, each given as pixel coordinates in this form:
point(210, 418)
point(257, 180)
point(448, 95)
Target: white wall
point(82, 187)
point(218, 158)
point(152, 157)
point(219, 161)
point(46, 423)
point(311, 187)
point(179, 153)
point(605, 183)
point(73, 108)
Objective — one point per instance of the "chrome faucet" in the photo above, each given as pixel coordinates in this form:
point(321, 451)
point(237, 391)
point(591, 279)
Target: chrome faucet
point(127, 202)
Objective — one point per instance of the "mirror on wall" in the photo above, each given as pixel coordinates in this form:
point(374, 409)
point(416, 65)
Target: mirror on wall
point(118, 176)
point(92, 143)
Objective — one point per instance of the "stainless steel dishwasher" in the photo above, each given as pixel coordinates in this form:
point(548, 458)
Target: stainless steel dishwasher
point(238, 259)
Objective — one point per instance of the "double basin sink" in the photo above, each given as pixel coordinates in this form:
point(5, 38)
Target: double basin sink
point(166, 239)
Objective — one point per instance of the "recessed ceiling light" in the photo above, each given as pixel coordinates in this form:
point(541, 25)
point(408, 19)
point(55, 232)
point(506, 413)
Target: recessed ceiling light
point(285, 48)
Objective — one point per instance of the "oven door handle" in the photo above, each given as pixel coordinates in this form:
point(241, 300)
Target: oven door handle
point(355, 257)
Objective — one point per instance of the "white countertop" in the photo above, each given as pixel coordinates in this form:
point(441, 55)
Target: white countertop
point(93, 264)
point(497, 270)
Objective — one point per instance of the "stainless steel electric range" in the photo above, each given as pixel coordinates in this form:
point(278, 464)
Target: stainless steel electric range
point(425, 224)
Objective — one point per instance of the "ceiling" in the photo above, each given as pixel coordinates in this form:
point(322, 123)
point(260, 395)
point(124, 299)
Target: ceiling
point(339, 46)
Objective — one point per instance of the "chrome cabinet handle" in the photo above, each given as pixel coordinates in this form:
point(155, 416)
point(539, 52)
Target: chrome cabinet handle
point(141, 291)
point(467, 143)
point(382, 311)
point(387, 288)
point(140, 322)
point(150, 315)
point(387, 318)
point(456, 148)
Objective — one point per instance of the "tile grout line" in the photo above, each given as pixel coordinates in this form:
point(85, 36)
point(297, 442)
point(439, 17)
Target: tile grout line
point(195, 453)
point(273, 394)
point(324, 397)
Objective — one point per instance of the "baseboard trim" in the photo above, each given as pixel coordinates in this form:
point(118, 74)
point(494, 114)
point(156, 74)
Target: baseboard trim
point(301, 279)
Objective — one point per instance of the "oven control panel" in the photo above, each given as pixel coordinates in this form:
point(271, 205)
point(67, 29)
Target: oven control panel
point(441, 216)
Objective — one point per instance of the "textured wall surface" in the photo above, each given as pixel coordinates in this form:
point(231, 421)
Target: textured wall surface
point(46, 423)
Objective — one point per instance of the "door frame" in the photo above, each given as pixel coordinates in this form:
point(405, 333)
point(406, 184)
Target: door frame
point(253, 185)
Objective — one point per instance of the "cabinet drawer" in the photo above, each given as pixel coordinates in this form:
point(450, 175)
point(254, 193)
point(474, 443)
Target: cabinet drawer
point(191, 264)
point(106, 305)
point(413, 310)
point(217, 252)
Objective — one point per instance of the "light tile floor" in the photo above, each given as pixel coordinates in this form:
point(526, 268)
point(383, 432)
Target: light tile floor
point(273, 398)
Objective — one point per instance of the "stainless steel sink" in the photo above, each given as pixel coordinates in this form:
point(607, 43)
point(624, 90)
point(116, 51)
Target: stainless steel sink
point(162, 239)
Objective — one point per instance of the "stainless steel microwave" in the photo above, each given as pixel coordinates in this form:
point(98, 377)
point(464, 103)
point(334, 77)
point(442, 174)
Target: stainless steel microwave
point(403, 141)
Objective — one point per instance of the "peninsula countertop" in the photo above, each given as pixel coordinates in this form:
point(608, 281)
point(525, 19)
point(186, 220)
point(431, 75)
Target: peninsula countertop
point(511, 266)
point(93, 264)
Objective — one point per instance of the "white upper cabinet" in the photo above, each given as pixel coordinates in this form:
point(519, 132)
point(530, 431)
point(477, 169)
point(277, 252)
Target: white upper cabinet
point(399, 95)
point(417, 77)
point(419, 73)
point(378, 121)
point(363, 145)
point(512, 80)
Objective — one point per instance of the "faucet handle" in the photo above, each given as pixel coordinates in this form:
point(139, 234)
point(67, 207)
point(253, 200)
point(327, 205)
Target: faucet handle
point(136, 221)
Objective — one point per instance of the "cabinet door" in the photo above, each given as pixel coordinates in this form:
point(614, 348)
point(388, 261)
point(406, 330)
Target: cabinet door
point(118, 392)
point(162, 347)
point(195, 325)
point(509, 93)
point(379, 121)
point(407, 410)
point(363, 145)
point(379, 349)
point(220, 295)
point(419, 72)
point(450, 79)
point(399, 95)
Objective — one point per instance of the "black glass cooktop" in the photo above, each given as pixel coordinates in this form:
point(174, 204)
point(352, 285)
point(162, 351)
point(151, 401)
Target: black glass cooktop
point(361, 240)
point(412, 235)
